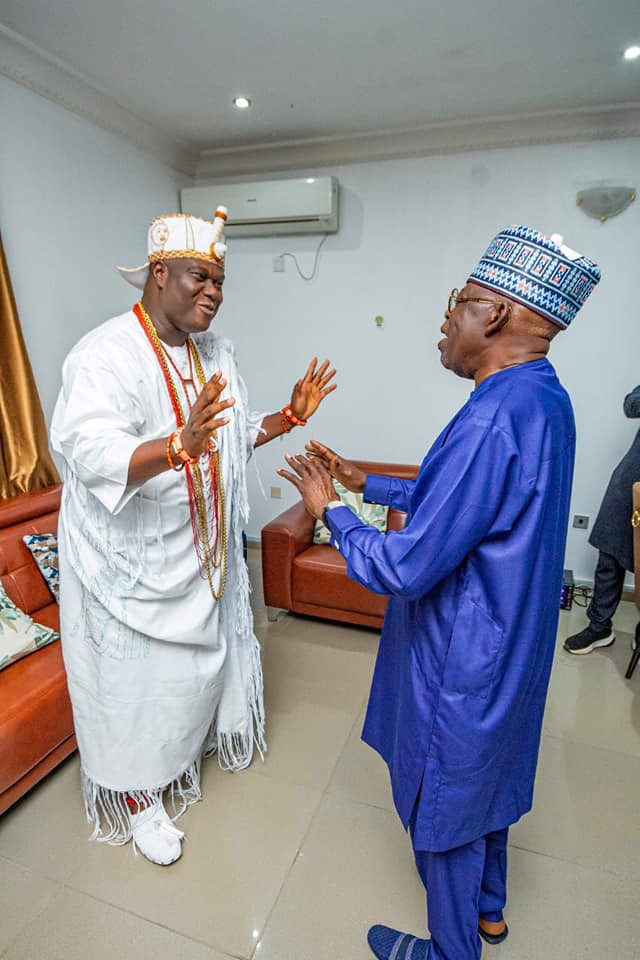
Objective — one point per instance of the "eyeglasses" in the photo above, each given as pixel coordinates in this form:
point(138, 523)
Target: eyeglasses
point(455, 299)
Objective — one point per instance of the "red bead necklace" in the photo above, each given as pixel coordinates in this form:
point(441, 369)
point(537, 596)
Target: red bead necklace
point(211, 555)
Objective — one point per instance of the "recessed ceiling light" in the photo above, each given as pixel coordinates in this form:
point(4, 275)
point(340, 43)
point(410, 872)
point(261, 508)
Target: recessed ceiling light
point(311, 180)
point(632, 53)
point(242, 103)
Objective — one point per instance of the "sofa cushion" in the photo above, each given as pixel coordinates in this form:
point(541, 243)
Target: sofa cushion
point(375, 514)
point(35, 712)
point(319, 577)
point(44, 549)
point(18, 573)
point(49, 616)
point(19, 634)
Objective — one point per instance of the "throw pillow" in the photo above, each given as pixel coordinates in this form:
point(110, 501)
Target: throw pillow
point(374, 514)
point(44, 547)
point(19, 634)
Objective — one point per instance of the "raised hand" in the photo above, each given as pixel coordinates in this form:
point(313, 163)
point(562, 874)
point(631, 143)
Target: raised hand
point(309, 392)
point(205, 418)
point(313, 482)
point(344, 471)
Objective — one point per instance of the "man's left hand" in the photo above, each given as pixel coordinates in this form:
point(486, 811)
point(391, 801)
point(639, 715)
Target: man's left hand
point(310, 391)
point(313, 482)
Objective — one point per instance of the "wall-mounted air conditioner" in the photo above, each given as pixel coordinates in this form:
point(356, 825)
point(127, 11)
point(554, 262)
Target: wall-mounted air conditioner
point(269, 208)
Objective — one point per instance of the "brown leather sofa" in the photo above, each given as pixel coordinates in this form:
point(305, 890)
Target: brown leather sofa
point(36, 725)
point(311, 579)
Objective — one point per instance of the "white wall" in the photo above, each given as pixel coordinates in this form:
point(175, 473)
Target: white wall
point(74, 202)
point(410, 231)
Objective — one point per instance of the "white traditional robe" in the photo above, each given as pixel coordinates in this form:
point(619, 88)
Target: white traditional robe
point(159, 672)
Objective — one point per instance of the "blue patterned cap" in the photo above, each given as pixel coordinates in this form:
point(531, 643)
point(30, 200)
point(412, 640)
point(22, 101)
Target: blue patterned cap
point(537, 271)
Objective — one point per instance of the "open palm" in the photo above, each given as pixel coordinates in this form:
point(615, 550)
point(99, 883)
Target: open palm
point(310, 391)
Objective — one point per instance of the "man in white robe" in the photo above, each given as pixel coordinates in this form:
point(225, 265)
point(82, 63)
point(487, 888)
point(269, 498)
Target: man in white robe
point(162, 663)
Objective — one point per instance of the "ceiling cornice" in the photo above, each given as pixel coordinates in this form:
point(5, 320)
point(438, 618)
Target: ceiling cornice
point(608, 122)
point(29, 65)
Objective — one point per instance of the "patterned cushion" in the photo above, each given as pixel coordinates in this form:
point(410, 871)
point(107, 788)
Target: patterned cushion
point(44, 547)
point(372, 513)
point(19, 634)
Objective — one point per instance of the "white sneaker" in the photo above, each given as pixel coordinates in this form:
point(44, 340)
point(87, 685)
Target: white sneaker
point(156, 836)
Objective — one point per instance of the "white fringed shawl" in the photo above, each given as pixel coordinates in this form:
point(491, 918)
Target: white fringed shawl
point(240, 721)
point(114, 554)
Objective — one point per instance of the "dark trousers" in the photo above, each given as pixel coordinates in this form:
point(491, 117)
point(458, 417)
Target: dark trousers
point(608, 582)
point(463, 885)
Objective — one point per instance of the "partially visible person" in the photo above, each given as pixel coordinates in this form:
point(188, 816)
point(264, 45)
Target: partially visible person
point(473, 580)
point(154, 428)
point(612, 535)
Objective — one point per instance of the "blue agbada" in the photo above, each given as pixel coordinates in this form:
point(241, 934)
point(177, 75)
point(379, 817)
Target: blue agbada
point(474, 580)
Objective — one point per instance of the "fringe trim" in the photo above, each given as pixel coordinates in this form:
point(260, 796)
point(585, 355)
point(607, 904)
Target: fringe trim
point(108, 810)
point(235, 750)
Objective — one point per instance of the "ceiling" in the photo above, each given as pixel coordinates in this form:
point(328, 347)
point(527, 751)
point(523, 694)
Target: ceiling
point(331, 81)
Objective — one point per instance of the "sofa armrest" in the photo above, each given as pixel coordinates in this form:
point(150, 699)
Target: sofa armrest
point(396, 519)
point(282, 540)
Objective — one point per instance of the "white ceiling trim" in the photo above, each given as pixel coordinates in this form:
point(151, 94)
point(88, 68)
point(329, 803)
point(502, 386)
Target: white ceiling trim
point(613, 121)
point(27, 64)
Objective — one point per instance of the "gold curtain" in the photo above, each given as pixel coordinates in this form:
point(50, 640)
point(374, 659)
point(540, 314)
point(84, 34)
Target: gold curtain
point(25, 461)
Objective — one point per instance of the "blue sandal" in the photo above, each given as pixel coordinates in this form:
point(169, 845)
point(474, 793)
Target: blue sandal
point(388, 943)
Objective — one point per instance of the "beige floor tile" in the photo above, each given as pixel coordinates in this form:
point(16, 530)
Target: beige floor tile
point(241, 842)
point(334, 659)
point(268, 632)
point(585, 808)
point(47, 830)
point(75, 927)
point(558, 910)
point(361, 774)
point(590, 701)
point(270, 860)
point(355, 869)
point(24, 895)
point(305, 735)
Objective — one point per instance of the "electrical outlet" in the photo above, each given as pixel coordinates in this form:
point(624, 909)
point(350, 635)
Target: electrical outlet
point(276, 493)
point(278, 264)
point(580, 521)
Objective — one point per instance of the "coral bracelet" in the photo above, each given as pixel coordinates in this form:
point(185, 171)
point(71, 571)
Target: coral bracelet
point(289, 420)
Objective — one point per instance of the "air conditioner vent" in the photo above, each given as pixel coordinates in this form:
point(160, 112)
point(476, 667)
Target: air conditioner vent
point(270, 207)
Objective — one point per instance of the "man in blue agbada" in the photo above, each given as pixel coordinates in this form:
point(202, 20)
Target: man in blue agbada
point(474, 582)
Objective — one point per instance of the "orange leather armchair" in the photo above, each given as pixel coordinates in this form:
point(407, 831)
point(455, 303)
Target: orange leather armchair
point(36, 725)
point(311, 579)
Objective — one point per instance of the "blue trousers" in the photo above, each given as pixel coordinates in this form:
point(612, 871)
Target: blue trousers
point(463, 885)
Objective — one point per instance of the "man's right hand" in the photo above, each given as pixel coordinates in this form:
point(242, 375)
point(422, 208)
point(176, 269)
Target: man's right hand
point(344, 471)
point(205, 418)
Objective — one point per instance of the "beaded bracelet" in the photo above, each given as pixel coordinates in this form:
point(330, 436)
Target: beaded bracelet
point(170, 460)
point(179, 451)
point(288, 419)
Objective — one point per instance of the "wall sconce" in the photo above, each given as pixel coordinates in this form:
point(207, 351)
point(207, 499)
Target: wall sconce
point(605, 202)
